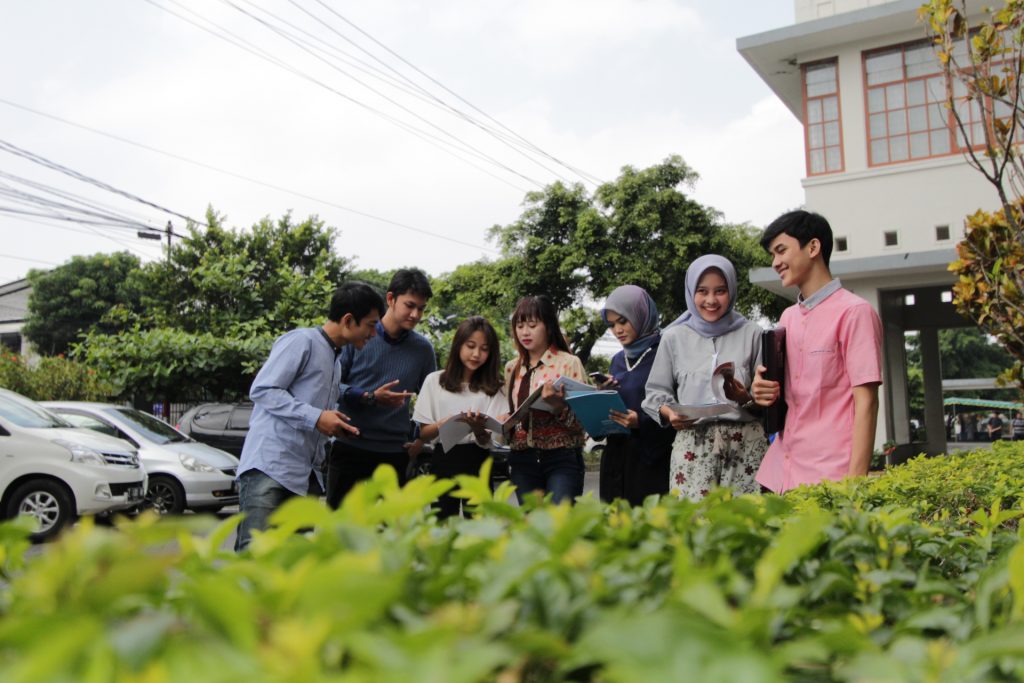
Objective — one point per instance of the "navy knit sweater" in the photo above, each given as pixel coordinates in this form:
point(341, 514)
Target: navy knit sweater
point(409, 359)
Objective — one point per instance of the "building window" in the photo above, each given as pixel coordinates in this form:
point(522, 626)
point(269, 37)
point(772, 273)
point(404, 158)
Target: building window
point(10, 341)
point(841, 244)
point(907, 116)
point(891, 238)
point(822, 129)
point(941, 233)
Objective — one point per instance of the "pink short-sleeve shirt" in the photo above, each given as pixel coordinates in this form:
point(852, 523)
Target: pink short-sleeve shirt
point(830, 348)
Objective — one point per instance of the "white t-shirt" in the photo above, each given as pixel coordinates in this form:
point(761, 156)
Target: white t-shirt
point(435, 403)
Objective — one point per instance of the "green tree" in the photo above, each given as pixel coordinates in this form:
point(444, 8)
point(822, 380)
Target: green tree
point(982, 65)
point(206, 317)
point(267, 278)
point(74, 298)
point(641, 228)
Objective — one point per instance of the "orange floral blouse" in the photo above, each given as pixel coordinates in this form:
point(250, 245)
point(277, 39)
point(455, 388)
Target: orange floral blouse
point(544, 430)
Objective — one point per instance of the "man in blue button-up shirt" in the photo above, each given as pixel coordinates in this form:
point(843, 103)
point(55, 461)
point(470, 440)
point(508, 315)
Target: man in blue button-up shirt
point(295, 394)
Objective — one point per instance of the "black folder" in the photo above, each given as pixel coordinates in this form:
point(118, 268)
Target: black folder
point(773, 356)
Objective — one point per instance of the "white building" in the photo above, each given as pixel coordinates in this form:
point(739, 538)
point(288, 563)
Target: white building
point(13, 313)
point(884, 167)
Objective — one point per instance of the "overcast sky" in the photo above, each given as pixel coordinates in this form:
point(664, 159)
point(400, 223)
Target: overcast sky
point(596, 84)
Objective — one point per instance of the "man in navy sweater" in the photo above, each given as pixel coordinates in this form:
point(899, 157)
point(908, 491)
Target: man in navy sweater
point(376, 384)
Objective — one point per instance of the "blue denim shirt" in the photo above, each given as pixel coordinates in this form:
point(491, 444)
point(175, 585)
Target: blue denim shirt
point(299, 380)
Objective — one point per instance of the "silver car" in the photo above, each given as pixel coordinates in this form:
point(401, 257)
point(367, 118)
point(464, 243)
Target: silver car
point(53, 472)
point(183, 473)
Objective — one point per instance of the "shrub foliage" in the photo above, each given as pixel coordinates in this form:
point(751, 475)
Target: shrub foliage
point(835, 584)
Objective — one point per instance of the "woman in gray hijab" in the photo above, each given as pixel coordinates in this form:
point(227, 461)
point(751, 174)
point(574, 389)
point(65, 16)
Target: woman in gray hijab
point(725, 446)
point(633, 465)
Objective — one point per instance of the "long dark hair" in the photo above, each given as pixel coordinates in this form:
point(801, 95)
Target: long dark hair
point(541, 309)
point(486, 378)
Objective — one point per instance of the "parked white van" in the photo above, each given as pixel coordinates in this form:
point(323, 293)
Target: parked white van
point(54, 472)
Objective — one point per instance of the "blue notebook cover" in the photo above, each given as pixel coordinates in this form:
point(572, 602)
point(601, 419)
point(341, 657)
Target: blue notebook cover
point(591, 409)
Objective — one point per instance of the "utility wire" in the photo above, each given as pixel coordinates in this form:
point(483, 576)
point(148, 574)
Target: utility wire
point(89, 230)
point(417, 91)
point(408, 127)
point(233, 174)
point(465, 146)
point(52, 165)
point(72, 197)
point(30, 260)
point(583, 174)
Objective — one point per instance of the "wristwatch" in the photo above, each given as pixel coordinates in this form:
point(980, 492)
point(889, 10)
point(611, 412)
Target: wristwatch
point(368, 398)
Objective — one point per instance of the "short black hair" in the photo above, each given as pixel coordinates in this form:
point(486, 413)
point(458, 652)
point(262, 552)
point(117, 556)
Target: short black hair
point(803, 226)
point(357, 298)
point(410, 281)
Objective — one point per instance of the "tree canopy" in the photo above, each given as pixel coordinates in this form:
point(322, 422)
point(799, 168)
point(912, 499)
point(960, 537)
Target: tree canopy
point(206, 317)
point(74, 298)
point(642, 228)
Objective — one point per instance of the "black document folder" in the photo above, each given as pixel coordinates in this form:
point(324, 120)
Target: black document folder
point(773, 355)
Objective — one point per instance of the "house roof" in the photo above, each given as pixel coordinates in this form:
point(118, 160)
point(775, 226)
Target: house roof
point(775, 55)
point(886, 269)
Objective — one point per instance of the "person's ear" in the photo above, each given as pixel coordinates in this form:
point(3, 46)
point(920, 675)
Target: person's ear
point(390, 298)
point(348, 320)
point(814, 247)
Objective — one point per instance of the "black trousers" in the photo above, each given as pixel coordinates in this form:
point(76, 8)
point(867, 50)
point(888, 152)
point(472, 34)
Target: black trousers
point(465, 458)
point(349, 465)
point(629, 471)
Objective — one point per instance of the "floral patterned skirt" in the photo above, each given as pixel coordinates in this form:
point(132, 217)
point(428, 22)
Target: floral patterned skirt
point(716, 454)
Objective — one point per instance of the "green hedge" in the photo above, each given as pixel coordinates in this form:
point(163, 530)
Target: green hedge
point(731, 589)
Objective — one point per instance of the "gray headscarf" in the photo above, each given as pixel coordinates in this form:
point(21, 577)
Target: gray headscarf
point(635, 305)
point(692, 319)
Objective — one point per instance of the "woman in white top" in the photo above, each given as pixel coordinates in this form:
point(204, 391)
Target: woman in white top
point(469, 389)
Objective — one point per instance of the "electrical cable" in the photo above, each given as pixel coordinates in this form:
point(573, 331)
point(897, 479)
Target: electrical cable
point(577, 171)
point(239, 176)
point(420, 93)
point(52, 165)
point(418, 132)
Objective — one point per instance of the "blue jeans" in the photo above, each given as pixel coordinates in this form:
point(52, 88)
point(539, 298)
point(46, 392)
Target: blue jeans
point(558, 471)
point(258, 497)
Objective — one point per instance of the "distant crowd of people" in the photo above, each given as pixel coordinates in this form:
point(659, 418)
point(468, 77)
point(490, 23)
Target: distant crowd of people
point(342, 391)
point(992, 427)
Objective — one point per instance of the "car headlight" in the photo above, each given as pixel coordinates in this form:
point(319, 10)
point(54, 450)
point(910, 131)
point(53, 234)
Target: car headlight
point(194, 464)
point(82, 454)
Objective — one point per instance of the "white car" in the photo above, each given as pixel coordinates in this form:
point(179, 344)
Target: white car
point(183, 473)
point(53, 472)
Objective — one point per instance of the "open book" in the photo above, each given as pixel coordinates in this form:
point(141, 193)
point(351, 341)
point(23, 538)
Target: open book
point(591, 407)
point(724, 401)
point(454, 429)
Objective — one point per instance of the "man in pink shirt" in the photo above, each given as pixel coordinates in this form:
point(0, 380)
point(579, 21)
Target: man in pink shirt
point(833, 364)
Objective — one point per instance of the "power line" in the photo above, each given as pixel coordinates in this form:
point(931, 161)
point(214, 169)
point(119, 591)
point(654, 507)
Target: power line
point(577, 171)
point(52, 165)
point(464, 145)
point(240, 176)
point(30, 260)
point(89, 230)
point(418, 132)
point(419, 92)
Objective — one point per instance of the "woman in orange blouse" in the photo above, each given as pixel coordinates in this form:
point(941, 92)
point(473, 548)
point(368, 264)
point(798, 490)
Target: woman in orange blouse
point(547, 447)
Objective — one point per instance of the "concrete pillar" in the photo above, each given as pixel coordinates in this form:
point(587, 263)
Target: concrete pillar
point(931, 366)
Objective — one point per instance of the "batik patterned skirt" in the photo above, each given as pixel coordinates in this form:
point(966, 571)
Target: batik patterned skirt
point(716, 454)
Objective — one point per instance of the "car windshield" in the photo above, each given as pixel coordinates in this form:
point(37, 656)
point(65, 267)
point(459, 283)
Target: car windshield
point(150, 428)
point(26, 413)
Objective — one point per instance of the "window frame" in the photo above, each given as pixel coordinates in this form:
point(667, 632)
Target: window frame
point(952, 131)
point(804, 68)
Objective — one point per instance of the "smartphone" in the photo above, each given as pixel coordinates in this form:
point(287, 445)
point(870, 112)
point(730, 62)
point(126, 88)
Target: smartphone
point(599, 377)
